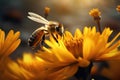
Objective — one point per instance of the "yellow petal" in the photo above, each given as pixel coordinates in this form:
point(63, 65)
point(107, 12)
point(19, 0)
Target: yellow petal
point(2, 37)
point(85, 31)
point(12, 47)
point(11, 37)
point(113, 47)
point(7, 40)
point(108, 44)
point(78, 34)
point(88, 48)
point(93, 31)
point(112, 55)
point(48, 57)
point(63, 73)
point(68, 35)
point(16, 71)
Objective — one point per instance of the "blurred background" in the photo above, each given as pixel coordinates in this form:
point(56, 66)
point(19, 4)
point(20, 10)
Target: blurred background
point(72, 13)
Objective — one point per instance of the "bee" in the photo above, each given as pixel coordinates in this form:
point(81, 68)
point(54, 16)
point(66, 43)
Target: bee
point(50, 28)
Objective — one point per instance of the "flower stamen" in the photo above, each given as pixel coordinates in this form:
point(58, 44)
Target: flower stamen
point(95, 13)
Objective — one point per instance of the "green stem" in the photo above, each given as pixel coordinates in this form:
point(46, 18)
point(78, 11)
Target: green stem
point(97, 20)
point(99, 26)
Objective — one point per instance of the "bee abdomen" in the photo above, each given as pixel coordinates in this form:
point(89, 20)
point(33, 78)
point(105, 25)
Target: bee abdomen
point(31, 40)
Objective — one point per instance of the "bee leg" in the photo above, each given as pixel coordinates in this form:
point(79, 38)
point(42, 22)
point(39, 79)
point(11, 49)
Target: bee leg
point(43, 38)
point(57, 36)
point(42, 43)
point(54, 38)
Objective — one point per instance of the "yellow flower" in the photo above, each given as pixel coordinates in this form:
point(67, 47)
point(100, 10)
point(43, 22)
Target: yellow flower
point(34, 65)
point(93, 46)
point(8, 44)
point(118, 8)
point(59, 63)
point(13, 71)
point(71, 52)
point(28, 68)
point(95, 13)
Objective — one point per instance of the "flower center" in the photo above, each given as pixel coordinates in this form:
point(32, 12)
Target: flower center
point(74, 46)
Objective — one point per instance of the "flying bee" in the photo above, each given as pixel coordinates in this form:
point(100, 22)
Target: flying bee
point(50, 27)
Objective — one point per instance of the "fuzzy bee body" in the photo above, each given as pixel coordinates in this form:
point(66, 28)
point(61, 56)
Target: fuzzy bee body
point(36, 37)
point(50, 27)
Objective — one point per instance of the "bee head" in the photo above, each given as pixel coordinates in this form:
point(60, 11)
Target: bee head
point(55, 27)
point(59, 29)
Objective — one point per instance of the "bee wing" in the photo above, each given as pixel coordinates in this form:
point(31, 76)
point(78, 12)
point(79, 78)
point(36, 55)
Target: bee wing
point(37, 18)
